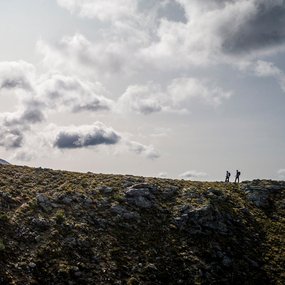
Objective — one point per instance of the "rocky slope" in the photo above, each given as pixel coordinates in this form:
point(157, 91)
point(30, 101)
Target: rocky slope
point(71, 228)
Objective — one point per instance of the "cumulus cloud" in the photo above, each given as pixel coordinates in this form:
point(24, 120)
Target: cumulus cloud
point(261, 27)
point(183, 89)
point(193, 174)
point(11, 138)
point(219, 32)
point(141, 149)
point(153, 98)
point(51, 91)
point(263, 68)
point(103, 10)
point(15, 125)
point(86, 136)
point(16, 75)
point(199, 33)
point(39, 94)
point(59, 91)
point(143, 99)
point(109, 55)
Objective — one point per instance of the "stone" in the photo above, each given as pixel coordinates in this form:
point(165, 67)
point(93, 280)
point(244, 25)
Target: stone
point(124, 213)
point(105, 190)
point(44, 202)
point(227, 261)
point(204, 219)
point(141, 195)
point(41, 223)
point(42, 198)
point(67, 200)
point(169, 192)
point(32, 265)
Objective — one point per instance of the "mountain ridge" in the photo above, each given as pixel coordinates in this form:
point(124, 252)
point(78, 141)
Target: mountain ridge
point(60, 227)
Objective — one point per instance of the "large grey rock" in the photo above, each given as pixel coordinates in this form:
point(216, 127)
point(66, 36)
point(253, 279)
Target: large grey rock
point(44, 202)
point(169, 192)
point(124, 213)
point(204, 219)
point(259, 193)
point(105, 190)
point(141, 195)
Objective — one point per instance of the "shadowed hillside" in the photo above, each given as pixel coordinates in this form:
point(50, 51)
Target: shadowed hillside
point(61, 227)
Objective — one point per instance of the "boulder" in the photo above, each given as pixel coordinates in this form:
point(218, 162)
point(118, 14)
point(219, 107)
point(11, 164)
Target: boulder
point(124, 213)
point(260, 194)
point(141, 195)
point(204, 219)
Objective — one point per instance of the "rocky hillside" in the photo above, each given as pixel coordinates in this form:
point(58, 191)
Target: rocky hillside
point(61, 227)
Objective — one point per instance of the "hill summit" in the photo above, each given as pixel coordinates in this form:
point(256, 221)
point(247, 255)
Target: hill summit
point(60, 227)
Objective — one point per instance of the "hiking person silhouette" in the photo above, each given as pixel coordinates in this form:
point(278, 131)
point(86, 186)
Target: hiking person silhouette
point(228, 174)
point(237, 176)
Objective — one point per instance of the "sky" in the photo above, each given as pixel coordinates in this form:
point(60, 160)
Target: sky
point(164, 88)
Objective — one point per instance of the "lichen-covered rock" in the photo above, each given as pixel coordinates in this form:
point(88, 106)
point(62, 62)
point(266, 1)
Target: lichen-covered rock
point(261, 194)
point(204, 219)
point(124, 213)
point(141, 195)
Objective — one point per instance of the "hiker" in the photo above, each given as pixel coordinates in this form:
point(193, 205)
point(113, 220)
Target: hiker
point(237, 177)
point(228, 174)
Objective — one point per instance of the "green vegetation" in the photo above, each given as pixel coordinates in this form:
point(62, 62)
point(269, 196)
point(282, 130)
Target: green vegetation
point(61, 227)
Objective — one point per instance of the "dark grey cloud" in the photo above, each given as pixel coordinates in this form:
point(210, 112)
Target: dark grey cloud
point(263, 29)
point(87, 136)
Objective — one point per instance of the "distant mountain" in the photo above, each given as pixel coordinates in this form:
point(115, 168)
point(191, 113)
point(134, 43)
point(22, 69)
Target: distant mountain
point(3, 162)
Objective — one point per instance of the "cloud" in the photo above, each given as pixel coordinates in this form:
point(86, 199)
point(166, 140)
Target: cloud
point(281, 174)
point(69, 92)
point(39, 93)
point(218, 32)
point(106, 10)
point(162, 175)
point(13, 126)
point(153, 98)
point(193, 174)
point(147, 151)
point(143, 99)
point(260, 28)
point(262, 68)
point(11, 138)
point(16, 75)
point(86, 136)
point(98, 134)
point(173, 35)
point(183, 89)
